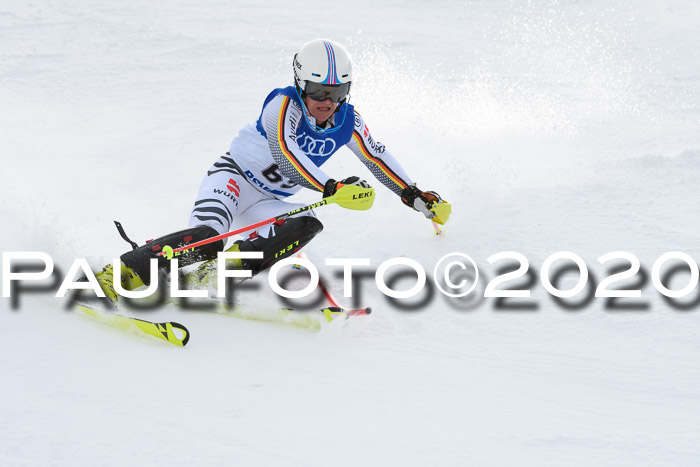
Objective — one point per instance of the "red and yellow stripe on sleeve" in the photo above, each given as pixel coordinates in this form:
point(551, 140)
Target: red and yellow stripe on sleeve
point(376, 161)
point(287, 152)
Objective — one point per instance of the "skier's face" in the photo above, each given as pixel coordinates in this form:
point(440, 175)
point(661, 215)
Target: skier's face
point(320, 110)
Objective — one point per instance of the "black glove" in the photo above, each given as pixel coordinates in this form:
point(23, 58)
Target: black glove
point(332, 186)
point(422, 201)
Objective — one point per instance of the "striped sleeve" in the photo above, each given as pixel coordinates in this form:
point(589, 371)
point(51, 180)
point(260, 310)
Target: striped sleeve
point(377, 159)
point(281, 118)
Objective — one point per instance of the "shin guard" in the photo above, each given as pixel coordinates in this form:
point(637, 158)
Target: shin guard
point(285, 239)
point(138, 260)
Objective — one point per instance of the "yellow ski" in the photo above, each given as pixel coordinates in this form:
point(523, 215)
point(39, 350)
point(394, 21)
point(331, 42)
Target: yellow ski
point(165, 331)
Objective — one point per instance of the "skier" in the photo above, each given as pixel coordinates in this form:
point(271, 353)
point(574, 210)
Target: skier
point(299, 128)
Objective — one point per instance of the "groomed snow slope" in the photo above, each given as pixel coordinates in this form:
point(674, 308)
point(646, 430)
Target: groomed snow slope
point(548, 126)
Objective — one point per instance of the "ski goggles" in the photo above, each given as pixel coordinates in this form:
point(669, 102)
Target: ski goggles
point(322, 92)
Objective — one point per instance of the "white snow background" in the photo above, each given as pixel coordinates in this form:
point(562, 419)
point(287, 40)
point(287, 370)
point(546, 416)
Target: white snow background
point(548, 125)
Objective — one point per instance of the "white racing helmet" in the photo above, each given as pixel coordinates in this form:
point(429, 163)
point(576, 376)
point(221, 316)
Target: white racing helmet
point(323, 70)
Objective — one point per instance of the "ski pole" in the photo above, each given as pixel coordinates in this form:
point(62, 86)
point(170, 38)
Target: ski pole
point(331, 298)
point(348, 196)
